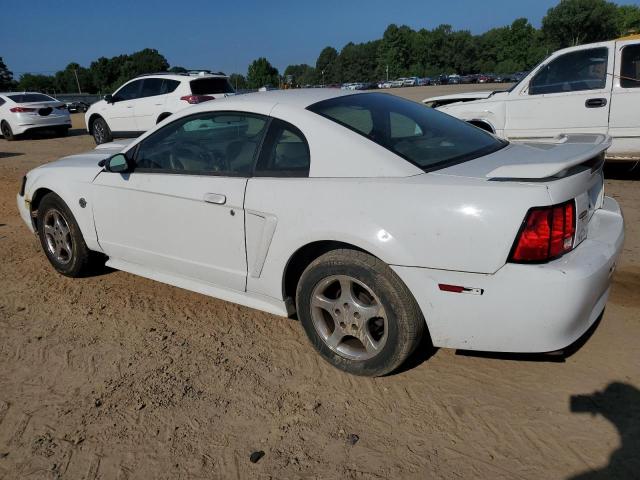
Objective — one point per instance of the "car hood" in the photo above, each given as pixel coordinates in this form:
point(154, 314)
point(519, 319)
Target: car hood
point(533, 160)
point(461, 96)
point(85, 165)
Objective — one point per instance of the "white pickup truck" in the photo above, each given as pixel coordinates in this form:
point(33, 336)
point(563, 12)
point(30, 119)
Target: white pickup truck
point(592, 88)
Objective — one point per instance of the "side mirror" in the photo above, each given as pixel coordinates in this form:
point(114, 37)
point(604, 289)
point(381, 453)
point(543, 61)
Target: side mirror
point(116, 164)
point(109, 98)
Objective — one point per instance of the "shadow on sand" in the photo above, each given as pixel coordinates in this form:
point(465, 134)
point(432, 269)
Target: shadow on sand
point(620, 404)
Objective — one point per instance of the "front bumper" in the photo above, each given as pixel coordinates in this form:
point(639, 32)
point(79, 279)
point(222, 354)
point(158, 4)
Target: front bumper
point(23, 122)
point(24, 208)
point(524, 308)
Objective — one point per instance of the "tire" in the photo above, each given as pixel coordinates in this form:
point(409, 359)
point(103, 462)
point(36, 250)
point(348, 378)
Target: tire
point(100, 131)
point(384, 315)
point(7, 133)
point(61, 238)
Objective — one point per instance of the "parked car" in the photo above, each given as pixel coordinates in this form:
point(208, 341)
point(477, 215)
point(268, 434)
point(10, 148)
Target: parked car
point(593, 88)
point(30, 111)
point(397, 83)
point(273, 200)
point(454, 79)
point(74, 107)
point(410, 82)
point(146, 100)
point(425, 81)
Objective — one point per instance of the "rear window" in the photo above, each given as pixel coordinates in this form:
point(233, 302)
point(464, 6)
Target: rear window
point(423, 136)
point(204, 86)
point(31, 97)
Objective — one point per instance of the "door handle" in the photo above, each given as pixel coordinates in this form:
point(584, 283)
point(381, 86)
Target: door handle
point(595, 102)
point(216, 198)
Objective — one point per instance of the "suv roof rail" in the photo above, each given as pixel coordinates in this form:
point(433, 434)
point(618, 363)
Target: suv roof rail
point(188, 73)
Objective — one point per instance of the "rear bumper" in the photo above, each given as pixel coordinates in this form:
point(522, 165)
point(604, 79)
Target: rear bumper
point(23, 122)
point(524, 308)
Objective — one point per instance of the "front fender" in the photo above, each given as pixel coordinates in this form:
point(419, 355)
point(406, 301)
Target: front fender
point(71, 191)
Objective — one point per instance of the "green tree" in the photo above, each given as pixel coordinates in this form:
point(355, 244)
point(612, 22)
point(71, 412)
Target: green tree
point(37, 83)
point(327, 66)
point(6, 77)
point(300, 75)
point(177, 69)
point(394, 51)
point(238, 81)
point(628, 19)
point(262, 73)
point(573, 22)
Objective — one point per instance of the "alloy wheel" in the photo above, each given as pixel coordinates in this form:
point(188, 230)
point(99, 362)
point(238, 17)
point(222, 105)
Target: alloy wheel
point(349, 317)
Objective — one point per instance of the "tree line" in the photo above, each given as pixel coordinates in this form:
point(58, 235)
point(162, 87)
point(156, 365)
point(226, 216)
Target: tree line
point(402, 51)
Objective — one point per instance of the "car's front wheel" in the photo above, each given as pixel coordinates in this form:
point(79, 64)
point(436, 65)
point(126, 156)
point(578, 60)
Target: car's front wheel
point(101, 131)
point(357, 313)
point(61, 238)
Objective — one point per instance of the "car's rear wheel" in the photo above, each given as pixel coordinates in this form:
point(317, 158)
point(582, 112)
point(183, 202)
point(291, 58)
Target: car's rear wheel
point(61, 238)
point(357, 313)
point(7, 133)
point(101, 132)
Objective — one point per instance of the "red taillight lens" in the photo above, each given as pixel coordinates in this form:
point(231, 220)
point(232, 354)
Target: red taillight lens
point(547, 233)
point(22, 109)
point(193, 99)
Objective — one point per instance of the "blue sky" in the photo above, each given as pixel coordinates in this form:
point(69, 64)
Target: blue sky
point(42, 36)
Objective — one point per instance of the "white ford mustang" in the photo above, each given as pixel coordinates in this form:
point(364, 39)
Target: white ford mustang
point(373, 218)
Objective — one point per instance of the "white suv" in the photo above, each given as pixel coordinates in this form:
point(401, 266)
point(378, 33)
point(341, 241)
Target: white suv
point(148, 99)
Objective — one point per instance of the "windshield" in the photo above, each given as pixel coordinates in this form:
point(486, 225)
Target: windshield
point(31, 97)
point(423, 136)
point(211, 85)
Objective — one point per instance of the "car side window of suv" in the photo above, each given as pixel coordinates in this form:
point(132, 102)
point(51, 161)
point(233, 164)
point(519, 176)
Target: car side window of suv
point(151, 87)
point(630, 67)
point(211, 143)
point(285, 152)
point(130, 91)
point(572, 72)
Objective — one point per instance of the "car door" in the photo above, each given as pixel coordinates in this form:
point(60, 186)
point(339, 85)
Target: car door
point(624, 123)
point(570, 93)
point(120, 113)
point(180, 211)
point(153, 97)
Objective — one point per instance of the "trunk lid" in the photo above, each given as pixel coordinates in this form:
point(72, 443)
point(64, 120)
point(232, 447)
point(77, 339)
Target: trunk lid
point(570, 168)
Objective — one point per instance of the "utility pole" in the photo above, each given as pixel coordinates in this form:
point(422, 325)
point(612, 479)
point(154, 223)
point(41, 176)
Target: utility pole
point(75, 72)
point(387, 73)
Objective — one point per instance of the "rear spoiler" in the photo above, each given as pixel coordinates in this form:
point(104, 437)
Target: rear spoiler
point(559, 155)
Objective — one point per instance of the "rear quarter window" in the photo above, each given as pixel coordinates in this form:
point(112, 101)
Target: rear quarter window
point(211, 85)
point(425, 137)
point(630, 69)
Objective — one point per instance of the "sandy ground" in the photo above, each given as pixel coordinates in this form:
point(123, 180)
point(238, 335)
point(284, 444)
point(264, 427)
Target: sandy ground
point(115, 376)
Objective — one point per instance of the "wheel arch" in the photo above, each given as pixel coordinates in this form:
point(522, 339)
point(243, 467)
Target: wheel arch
point(302, 258)
point(92, 119)
point(162, 116)
point(36, 198)
point(483, 124)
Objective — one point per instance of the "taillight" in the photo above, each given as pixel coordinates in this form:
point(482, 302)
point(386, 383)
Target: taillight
point(546, 233)
point(22, 109)
point(193, 99)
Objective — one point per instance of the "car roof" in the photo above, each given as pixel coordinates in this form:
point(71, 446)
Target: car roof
point(180, 76)
point(298, 98)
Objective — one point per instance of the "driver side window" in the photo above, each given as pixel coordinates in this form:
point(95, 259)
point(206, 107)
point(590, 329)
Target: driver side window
point(572, 72)
point(212, 143)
